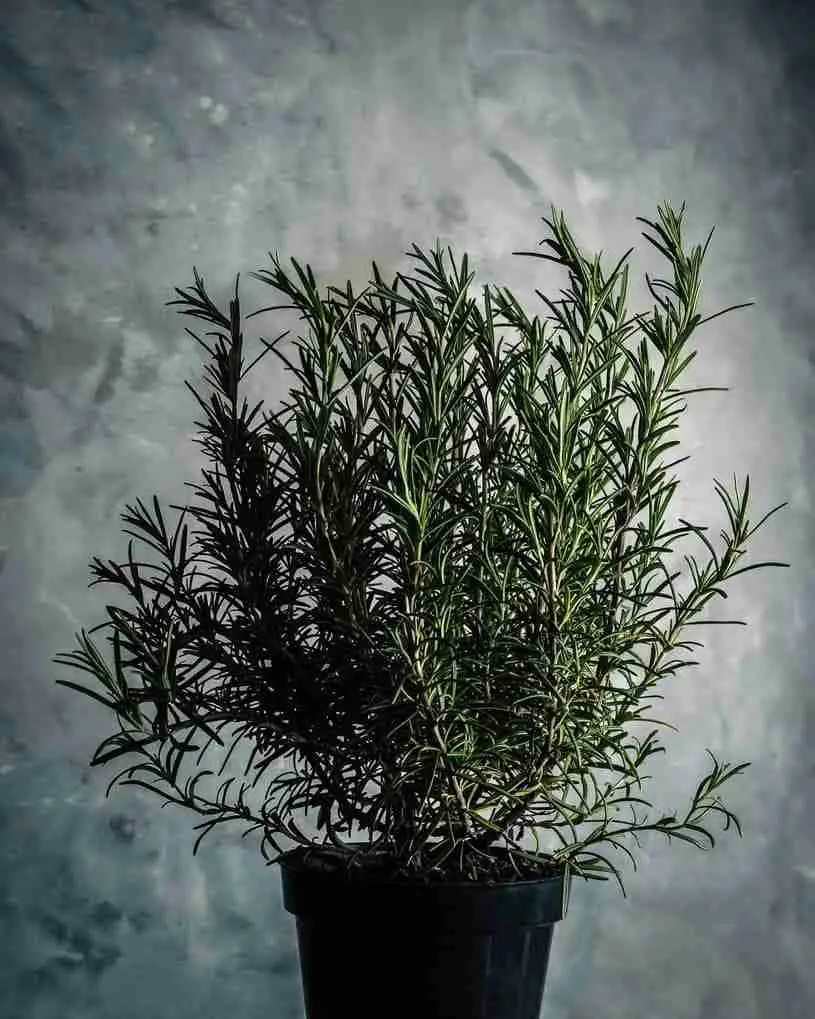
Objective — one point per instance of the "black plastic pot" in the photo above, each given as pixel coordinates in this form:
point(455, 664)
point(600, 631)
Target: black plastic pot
point(374, 947)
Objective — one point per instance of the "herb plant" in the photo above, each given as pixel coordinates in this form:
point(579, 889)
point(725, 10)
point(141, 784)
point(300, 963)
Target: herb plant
point(427, 572)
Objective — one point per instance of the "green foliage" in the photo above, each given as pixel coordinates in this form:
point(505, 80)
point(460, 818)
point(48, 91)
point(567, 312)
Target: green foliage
point(486, 685)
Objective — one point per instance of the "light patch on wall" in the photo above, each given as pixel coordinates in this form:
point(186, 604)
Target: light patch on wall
point(589, 191)
point(218, 112)
point(602, 12)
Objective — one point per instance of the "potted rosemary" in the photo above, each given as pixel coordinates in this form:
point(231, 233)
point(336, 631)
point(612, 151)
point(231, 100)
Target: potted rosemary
point(437, 572)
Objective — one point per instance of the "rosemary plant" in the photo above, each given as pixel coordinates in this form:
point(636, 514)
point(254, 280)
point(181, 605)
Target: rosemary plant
point(435, 582)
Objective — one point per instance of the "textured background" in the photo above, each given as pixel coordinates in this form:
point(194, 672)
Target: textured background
point(138, 138)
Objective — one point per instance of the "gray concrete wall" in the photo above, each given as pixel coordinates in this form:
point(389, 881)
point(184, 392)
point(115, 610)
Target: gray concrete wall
point(138, 139)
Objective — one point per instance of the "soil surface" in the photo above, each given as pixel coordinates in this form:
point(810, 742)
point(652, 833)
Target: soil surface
point(497, 867)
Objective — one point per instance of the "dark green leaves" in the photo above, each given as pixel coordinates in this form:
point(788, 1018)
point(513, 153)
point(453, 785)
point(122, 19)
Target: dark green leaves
point(427, 574)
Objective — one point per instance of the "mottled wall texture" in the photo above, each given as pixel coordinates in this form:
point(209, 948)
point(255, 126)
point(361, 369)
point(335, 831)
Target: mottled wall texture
point(141, 137)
